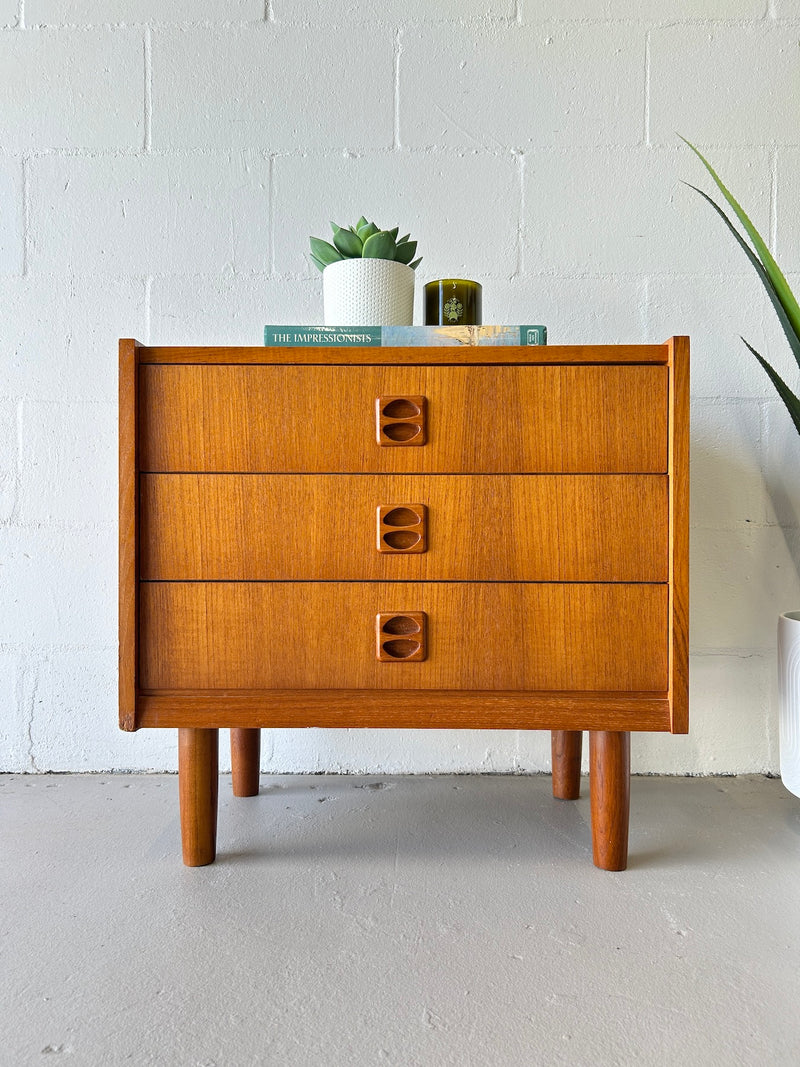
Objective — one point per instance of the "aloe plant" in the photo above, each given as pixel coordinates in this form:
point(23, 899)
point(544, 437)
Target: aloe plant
point(364, 241)
point(772, 279)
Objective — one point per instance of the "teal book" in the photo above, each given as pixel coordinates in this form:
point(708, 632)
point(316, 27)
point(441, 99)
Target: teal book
point(401, 336)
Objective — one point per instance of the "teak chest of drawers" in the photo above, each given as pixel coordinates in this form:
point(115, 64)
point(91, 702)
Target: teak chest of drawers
point(472, 538)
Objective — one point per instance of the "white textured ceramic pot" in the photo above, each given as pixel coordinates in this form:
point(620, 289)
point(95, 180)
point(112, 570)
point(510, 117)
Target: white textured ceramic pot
point(789, 691)
point(368, 292)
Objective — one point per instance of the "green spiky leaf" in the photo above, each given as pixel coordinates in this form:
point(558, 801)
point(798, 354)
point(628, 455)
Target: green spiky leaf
point(379, 246)
point(363, 239)
point(791, 335)
point(416, 263)
point(791, 401)
point(774, 272)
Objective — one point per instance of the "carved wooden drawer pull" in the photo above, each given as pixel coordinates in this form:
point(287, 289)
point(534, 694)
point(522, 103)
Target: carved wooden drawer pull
point(400, 420)
point(401, 636)
point(402, 528)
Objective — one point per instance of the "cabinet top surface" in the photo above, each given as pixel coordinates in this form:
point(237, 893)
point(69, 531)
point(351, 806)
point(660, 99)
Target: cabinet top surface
point(448, 354)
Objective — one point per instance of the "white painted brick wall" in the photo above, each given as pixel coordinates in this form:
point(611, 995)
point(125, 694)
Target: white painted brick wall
point(131, 12)
point(151, 214)
point(691, 71)
point(67, 466)
point(161, 167)
point(338, 97)
point(716, 309)
point(229, 308)
point(71, 89)
point(11, 215)
point(9, 466)
point(587, 87)
point(471, 224)
point(787, 197)
point(58, 334)
point(647, 221)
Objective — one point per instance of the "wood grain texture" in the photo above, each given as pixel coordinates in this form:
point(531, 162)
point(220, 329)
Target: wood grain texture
point(406, 709)
point(198, 783)
point(609, 789)
point(679, 532)
point(459, 354)
point(128, 533)
point(307, 635)
point(323, 528)
point(578, 419)
point(566, 747)
point(245, 762)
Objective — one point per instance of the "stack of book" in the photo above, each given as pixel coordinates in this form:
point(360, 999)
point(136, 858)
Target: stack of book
point(401, 336)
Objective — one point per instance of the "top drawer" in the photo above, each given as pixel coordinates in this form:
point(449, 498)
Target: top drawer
point(479, 419)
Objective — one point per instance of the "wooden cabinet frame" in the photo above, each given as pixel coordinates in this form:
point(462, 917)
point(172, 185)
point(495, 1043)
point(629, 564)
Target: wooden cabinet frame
point(610, 716)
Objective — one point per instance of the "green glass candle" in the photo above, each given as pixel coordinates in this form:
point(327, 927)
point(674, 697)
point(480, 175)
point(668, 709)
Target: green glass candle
point(453, 302)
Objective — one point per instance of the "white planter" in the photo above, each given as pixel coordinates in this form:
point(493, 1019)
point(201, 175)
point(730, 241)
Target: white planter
point(368, 292)
point(789, 692)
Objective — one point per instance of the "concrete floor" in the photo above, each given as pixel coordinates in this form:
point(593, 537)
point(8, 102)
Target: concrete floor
point(427, 921)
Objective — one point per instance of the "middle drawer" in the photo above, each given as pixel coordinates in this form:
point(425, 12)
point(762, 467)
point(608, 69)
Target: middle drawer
point(288, 527)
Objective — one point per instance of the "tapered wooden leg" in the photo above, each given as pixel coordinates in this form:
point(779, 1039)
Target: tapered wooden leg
point(566, 748)
point(246, 762)
point(609, 788)
point(198, 770)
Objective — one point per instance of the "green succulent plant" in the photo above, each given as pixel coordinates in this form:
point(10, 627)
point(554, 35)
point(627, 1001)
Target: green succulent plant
point(364, 241)
point(773, 280)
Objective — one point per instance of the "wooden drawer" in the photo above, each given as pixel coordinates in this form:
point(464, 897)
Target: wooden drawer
point(225, 527)
point(501, 636)
point(482, 419)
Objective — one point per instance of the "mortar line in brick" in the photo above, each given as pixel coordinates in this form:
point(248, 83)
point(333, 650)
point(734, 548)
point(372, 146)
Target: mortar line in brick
point(148, 89)
point(736, 652)
point(773, 199)
point(647, 88)
point(50, 648)
point(148, 291)
point(646, 307)
point(26, 208)
point(521, 221)
point(762, 433)
point(14, 516)
point(270, 217)
point(29, 712)
point(396, 72)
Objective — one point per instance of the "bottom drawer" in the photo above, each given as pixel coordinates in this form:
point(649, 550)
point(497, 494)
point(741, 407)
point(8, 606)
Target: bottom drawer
point(309, 635)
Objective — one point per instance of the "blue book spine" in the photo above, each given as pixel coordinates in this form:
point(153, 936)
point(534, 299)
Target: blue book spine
point(402, 336)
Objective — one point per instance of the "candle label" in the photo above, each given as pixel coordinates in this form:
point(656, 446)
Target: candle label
point(453, 302)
